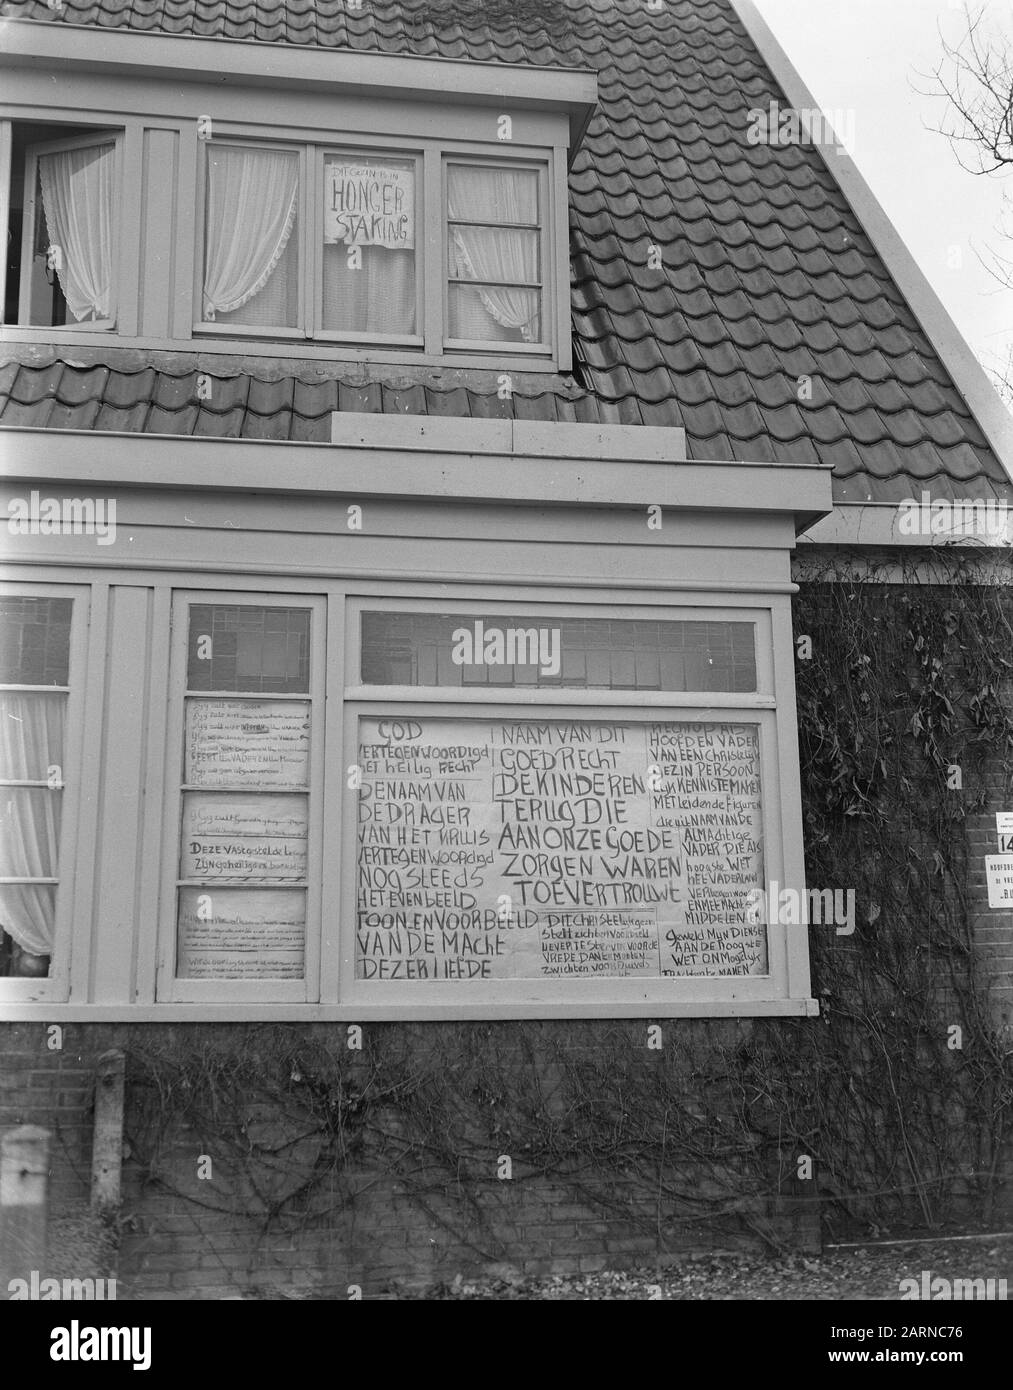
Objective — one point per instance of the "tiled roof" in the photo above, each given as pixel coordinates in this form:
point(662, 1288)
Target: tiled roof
point(766, 275)
point(252, 401)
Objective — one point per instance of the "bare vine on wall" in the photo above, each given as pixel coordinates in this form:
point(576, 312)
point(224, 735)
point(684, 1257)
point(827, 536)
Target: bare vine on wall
point(702, 1136)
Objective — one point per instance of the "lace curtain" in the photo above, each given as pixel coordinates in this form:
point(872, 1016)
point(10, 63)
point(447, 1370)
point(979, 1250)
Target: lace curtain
point(77, 199)
point(250, 266)
point(31, 741)
point(486, 253)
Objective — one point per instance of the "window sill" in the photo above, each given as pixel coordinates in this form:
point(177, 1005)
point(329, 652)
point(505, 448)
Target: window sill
point(476, 1011)
point(295, 349)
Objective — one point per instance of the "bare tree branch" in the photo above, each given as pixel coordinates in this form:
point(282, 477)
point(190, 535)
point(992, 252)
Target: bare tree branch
point(975, 78)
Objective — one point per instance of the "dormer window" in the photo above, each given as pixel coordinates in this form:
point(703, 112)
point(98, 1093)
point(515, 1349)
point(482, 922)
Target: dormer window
point(337, 244)
point(330, 205)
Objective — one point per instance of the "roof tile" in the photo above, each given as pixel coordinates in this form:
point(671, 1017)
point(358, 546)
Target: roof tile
point(767, 275)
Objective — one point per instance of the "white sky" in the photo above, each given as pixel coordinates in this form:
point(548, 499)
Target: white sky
point(866, 56)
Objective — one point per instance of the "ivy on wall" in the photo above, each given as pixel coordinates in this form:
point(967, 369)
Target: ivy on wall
point(898, 1094)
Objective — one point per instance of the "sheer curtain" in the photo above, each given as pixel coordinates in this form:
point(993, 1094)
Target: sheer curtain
point(494, 253)
point(379, 298)
point(77, 199)
point(31, 741)
point(250, 254)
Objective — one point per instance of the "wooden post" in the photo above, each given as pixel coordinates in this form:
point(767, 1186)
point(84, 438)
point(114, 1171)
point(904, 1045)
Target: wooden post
point(24, 1188)
point(107, 1139)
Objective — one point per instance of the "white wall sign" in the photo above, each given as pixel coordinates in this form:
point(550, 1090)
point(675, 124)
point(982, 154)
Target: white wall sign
point(1004, 829)
point(369, 205)
point(999, 875)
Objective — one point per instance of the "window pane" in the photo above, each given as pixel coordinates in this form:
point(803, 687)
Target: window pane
point(450, 649)
point(34, 650)
point(241, 933)
point(34, 641)
point(497, 254)
point(369, 246)
point(493, 253)
point(493, 314)
point(251, 269)
point(247, 648)
point(477, 193)
point(27, 917)
point(31, 736)
point(247, 743)
point(29, 832)
point(255, 836)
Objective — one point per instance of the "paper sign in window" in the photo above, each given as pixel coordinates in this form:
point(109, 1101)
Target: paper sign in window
point(256, 743)
point(369, 205)
point(231, 836)
point(241, 933)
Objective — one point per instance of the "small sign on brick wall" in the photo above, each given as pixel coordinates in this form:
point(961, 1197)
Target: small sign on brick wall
point(999, 875)
point(1004, 829)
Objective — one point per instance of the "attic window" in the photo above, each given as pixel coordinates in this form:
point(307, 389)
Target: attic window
point(495, 254)
point(61, 261)
point(343, 244)
point(251, 260)
point(370, 238)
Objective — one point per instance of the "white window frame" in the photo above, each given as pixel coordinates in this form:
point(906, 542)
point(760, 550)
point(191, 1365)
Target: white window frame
point(429, 344)
point(544, 345)
point(697, 996)
point(55, 986)
point(250, 330)
point(320, 154)
point(103, 136)
point(169, 987)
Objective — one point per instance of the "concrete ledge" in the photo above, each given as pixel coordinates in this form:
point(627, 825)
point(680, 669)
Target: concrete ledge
point(539, 438)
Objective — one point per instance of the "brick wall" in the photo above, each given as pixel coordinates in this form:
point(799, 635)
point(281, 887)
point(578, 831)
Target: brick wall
point(369, 1228)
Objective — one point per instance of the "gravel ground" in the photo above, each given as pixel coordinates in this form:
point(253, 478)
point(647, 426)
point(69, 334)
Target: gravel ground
point(870, 1272)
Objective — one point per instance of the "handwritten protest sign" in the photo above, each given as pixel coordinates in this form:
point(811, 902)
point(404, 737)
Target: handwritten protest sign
point(369, 205)
point(502, 849)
